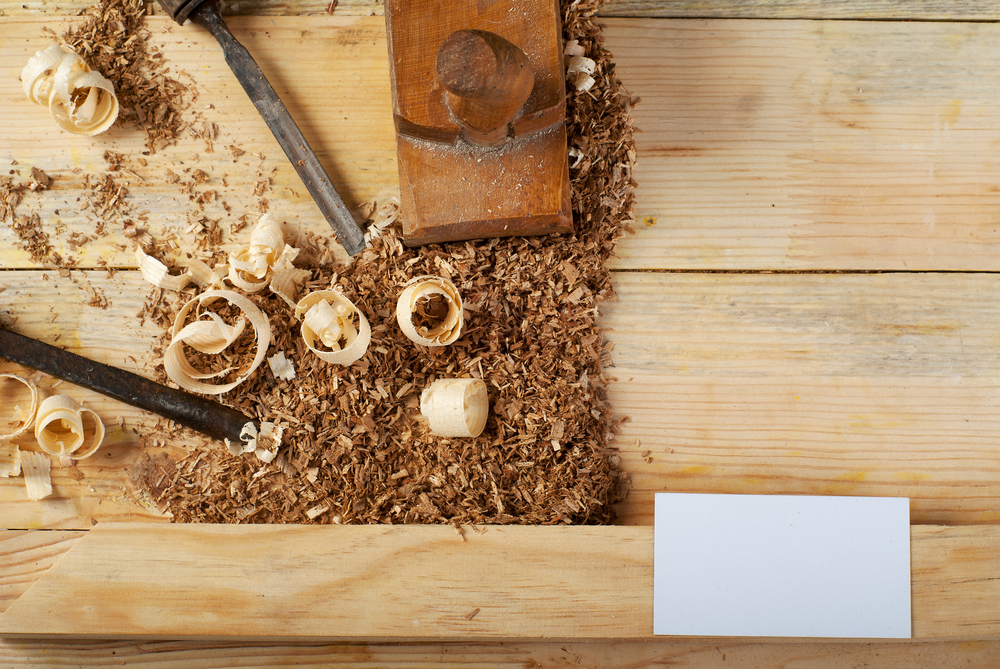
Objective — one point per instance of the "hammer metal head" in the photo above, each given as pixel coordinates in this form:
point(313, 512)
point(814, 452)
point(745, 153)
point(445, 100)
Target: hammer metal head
point(180, 10)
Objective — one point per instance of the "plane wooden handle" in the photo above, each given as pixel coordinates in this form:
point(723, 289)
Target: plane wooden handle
point(488, 80)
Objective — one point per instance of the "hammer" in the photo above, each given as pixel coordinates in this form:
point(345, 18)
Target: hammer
point(206, 14)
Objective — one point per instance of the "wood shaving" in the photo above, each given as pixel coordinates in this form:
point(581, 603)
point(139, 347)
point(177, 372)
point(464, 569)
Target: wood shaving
point(60, 431)
point(37, 469)
point(80, 101)
point(22, 417)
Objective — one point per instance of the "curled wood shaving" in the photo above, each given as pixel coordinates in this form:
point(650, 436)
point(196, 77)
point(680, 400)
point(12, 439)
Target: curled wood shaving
point(37, 470)
point(59, 428)
point(21, 418)
point(115, 41)
point(80, 101)
point(429, 311)
point(250, 267)
point(580, 70)
point(386, 213)
point(158, 274)
point(213, 336)
point(267, 261)
point(455, 407)
point(329, 318)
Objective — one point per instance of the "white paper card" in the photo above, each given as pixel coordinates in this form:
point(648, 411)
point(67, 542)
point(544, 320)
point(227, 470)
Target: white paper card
point(782, 566)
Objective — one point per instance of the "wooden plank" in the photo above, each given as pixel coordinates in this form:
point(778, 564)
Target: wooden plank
point(919, 10)
point(899, 10)
point(341, 103)
point(871, 384)
point(25, 556)
point(518, 655)
point(784, 383)
point(778, 145)
point(812, 144)
point(401, 582)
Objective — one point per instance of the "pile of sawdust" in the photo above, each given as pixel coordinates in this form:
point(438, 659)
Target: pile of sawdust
point(354, 450)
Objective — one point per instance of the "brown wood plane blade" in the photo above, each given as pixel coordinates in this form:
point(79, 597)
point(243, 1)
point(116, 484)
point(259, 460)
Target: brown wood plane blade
point(479, 103)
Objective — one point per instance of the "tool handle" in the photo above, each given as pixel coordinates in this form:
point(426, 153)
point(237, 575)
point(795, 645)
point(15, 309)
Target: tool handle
point(217, 421)
point(488, 80)
point(276, 115)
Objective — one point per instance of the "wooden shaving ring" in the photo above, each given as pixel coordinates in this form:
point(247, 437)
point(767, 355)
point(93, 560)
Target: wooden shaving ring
point(422, 287)
point(455, 407)
point(213, 337)
point(25, 418)
point(329, 318)
point(59, 428)
point(80, 101)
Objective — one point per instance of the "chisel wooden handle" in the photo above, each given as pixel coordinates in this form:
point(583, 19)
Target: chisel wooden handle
point(197, 413)
point(206, 14)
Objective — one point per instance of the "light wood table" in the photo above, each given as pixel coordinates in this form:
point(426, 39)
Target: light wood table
point(808, 306)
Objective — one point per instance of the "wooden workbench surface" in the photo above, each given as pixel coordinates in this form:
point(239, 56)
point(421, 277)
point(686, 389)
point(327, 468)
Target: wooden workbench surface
point(808, 304)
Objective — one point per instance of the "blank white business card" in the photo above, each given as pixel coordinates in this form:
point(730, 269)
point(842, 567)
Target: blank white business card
point(781, 566)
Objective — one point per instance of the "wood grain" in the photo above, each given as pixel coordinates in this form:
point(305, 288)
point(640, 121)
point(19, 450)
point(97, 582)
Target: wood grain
point(757, 114)
point(341, 103)
point(863, 384)
point(898, 10)
point(510, 655)
point(401, 582)
point(860, 384)
point(813, 144)
point(767, 145)
point(901, 10)
point(25, 556)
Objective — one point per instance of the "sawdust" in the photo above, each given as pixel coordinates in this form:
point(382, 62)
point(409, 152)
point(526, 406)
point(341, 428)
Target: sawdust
point(115, 41)
point(355, 449)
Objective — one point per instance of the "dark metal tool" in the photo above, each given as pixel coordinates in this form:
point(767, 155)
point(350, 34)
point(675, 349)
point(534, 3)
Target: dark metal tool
point(197, 413)
point(206, 14)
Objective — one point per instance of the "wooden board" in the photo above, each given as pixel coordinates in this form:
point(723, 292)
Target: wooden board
point(852, 384)
point(833, 384)
point(881, 379)
point(29, 554)
point(758, 186)
point(813, 145)
point(379, 582)
point(896, 10)
point(508, 655)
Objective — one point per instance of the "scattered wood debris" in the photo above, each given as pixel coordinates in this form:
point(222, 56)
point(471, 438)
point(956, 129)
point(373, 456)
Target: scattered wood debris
point(114, 41)
point(355, 449)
